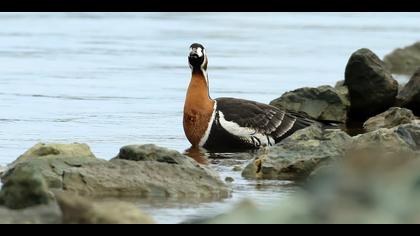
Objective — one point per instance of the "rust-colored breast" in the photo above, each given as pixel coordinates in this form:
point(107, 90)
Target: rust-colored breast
point(195, 124)
point(198, 110)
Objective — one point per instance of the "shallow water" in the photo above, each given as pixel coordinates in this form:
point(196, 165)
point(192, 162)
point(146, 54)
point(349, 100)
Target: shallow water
point(112, 79)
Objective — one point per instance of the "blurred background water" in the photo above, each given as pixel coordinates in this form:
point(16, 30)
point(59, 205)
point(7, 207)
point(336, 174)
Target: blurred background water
point(112, 79)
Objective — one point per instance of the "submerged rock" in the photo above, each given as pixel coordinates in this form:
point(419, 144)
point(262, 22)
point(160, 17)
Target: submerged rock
point(237, 168)
point(404, 60)
point(299, 155)
point(391, 118)
point(41, 214)
point(24, 189)
point(322, 103)
point(151, 152)
point(229, 179)
point(79, 210)
point(125, 178)
point(409, 96)
point(372, 89)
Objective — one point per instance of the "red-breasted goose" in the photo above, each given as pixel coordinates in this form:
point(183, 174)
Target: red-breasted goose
point(230, 123)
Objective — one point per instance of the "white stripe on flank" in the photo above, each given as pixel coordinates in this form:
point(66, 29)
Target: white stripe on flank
point(203, 140)
point(244, 133)
point(234, 128)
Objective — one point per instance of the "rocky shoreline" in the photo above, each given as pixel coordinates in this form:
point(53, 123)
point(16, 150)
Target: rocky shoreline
point(61, 183)
point(39, 175)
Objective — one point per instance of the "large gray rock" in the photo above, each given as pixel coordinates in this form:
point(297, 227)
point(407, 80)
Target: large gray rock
point(299, 155)
point(404, 60)
point(41, 214)
point(372, 89)
point(409, 96)
point(391, 118)
point(79, 210)
point(24, 189)
point(322, 103)
point(164, 177)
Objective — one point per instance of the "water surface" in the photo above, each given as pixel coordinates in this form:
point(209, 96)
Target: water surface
point(112, 79)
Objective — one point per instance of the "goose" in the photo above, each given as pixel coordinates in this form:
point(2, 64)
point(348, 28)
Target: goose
point(231, 123)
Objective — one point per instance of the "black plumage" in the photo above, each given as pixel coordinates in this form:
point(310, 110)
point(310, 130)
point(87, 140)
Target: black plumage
point(268, 121)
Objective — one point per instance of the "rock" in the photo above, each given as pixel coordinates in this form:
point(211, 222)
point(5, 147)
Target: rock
point(339, 84)
point(391, 118)
point(403, 139)
point(2, 170)
point(24, 189)
point(370, 188)
point(144, 179)
point(79, 210)
point(404, 60)
point(229, 179)
point(58, 157)
point(299, 155)
point(410, 133)
point(237, 168)
point(322, 103)
point(409, 96)
point(52, 168)
point(372, 89)
point(124, 178)
point(41, 214)
point(56, 150)
point(151, 152)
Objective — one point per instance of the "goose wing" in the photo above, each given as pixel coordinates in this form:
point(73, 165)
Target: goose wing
point(246, 118)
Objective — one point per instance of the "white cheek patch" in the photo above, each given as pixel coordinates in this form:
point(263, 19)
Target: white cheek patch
point(200, 52)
